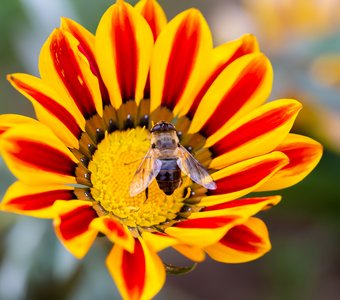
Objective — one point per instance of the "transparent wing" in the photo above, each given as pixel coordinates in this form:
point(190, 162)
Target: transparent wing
point(145, 174)
point(192, 168)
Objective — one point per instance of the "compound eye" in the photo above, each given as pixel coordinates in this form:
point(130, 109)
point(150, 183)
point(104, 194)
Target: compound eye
point(153, 145)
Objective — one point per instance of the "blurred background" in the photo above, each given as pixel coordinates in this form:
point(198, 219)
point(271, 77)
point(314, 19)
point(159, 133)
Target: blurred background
point(302, 40)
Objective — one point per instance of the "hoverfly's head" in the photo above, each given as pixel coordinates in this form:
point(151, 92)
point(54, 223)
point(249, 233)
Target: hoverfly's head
point(162, 126)
point(164, 136)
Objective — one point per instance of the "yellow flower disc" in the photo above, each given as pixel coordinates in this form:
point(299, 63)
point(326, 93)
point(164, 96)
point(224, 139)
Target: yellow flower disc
point(112, 168)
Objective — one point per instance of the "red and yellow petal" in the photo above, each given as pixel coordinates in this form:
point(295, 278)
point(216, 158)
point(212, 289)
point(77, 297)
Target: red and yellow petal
point(50, 108)
point(156, 18)
point(153, 14)
point(35, 201)
point(221, 57)
point(138, 275)
point(193, 253)
point(202, 232)
point(87, 47)
point(245, 207)
point(72, 226)
point(124, 44)
point(36, 156)
point(8, 121)
point(115, 232)
point(68, 71)
point(304, 154)
point(225, 54)
point(242, 243)
point(258, 133)
point(180, 54)
point(158, 241)
point(240, 87)
point(244, 177)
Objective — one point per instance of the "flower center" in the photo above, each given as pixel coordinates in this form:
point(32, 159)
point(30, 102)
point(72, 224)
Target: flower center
point(113, 166)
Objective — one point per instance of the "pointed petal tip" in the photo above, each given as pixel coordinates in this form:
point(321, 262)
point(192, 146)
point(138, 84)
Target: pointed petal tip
point(194, 12)
point(14, 77)
point(260, 59)
point(63, 22)
point(251, 41)
point(296, 105)
point(243, 243)
point(56, 32)
point(192, 15)
point(304, 154)
point(10, 77)
point(153, 14)
point(121, 4)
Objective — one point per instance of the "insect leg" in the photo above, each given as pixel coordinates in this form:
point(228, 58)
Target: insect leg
point(146, 193)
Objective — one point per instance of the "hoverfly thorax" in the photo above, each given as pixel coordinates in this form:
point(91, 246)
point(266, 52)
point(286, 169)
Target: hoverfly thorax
point(164, 137)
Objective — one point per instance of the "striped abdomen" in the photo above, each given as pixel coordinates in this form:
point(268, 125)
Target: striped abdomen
point(169, 177)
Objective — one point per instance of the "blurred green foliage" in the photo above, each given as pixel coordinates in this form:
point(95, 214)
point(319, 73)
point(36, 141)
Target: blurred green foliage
point(10, 13)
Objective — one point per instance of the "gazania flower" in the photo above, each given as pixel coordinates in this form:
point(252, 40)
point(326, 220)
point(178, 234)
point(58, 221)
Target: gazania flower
point(96, 99)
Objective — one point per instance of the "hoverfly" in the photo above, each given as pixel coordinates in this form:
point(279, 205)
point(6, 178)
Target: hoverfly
point(164, 161)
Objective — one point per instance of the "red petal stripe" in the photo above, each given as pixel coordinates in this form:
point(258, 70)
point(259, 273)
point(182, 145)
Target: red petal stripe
point(86, 50)
point(147, 88)
point(69, 71)
point(246, 178)
point(235, 203)
point(242, 90)
point(149, 13)
point(51, 106)
point(300, 154)
point(244, 49)
point(181, 62)
point(76, 222)
point(126, 52)
point(242, 238)
point(115, 227)
point(94, 69)
point(212, 222)
point(254, 128)
point(134, 269)
point(43, 157)
point(40, 200)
